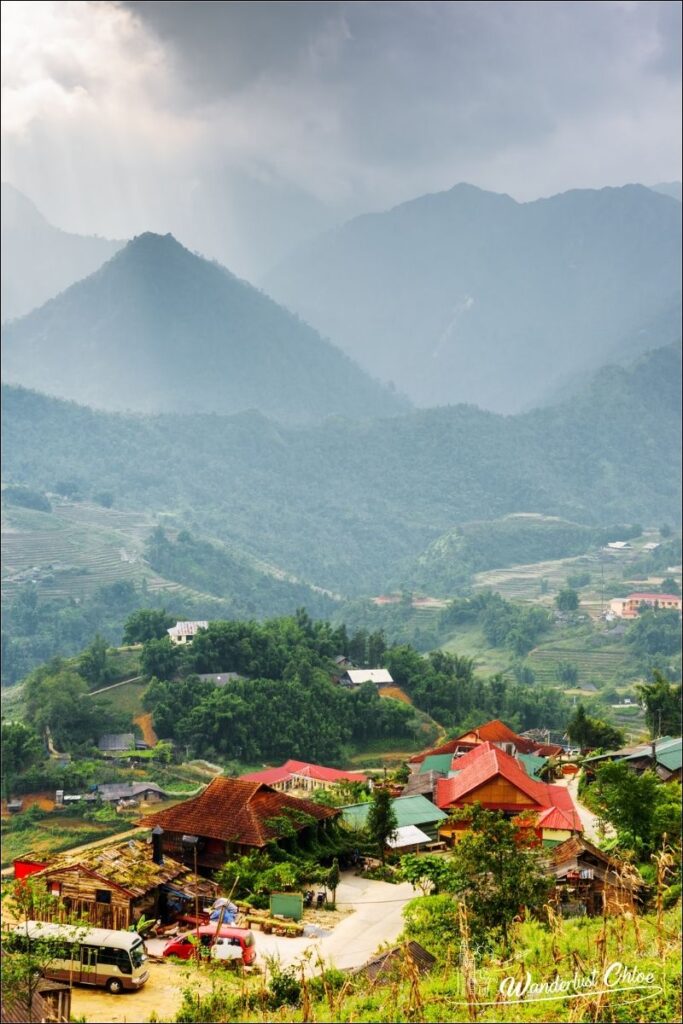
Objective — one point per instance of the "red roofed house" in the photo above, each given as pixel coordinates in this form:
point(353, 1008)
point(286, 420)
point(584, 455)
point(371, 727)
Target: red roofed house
point(234, 816)
point(496, 733)
point(302, 777)
point(630, 607)
point(494, 779)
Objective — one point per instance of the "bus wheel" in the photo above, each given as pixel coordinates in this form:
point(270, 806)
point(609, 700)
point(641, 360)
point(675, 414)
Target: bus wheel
point(115, 986)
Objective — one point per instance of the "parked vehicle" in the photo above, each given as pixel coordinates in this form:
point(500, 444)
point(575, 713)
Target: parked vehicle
point(321, 900)
point(184, 946)
point(88, 956)
point(308, 898)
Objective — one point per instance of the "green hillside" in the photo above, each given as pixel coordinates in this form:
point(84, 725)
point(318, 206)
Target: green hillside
point(349, 505)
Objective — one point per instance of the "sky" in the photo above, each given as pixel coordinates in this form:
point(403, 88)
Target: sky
point(247, 128)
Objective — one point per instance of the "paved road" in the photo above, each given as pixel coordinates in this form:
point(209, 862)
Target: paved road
point(376, 919)
point(591, 823)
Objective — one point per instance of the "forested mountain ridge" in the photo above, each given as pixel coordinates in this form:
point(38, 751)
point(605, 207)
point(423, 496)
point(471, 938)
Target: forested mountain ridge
point(159, 329)
point(471, 296)
point(38, 259)
point(345, 504)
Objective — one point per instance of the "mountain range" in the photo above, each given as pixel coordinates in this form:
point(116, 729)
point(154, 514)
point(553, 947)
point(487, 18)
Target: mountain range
point(38, 259)
point(350, 505)
point(470, 296)
point(159, 329)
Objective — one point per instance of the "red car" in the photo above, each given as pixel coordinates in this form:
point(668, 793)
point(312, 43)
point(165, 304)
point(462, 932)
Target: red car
point(229, 944)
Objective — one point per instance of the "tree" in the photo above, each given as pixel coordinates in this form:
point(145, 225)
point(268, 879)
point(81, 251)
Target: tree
point(382, 821)
point(567, 600)
point(160, 658)
point(429, 873)
point(669, 586)
point(638, 806)
point(498, 871)
point(27, 955)
point(662, 703)
point(146, 624)
point(93, 664)
point(587, 732)
point(332, 880)
point(21, 749)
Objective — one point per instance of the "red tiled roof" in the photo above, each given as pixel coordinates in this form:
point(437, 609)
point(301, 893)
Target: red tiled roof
point(556, 818)
point(494, 731)
point(313, 771)
point(486, 762)
point(238, 811)
point(653, 597)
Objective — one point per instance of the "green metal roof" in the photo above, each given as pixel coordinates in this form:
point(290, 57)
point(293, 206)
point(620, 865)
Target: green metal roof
point(409, 810)
point(670, 756)
point(532, 765)
point(437, 763)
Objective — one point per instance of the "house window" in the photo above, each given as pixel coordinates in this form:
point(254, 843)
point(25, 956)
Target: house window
point(54, 888)
point(102, 896)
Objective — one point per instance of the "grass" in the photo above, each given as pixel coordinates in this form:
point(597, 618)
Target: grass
point(126, 698)
point(54, 834)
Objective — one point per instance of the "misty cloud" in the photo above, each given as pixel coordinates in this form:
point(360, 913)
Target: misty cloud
point(246, 127)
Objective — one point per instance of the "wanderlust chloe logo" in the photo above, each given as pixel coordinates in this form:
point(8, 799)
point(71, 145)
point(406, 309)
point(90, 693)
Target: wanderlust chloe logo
point(617, 977)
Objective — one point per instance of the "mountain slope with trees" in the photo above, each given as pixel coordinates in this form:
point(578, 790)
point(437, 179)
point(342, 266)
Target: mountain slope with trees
point(159, 329)
point(469, 296)
point(345, 504)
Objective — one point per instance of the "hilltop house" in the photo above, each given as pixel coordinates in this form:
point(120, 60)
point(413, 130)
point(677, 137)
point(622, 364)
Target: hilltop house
point(185, 632)
point(357, 676)
point(300, 777)
point(496, 780)
point(112, 887)
point(630, 607)
point(234, 816)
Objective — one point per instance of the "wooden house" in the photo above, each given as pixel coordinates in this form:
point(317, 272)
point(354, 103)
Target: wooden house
point(51, 1002)
point(112, 887)
point(495, 780)
point(234, 816)
point(586, 880)
point(497, 733)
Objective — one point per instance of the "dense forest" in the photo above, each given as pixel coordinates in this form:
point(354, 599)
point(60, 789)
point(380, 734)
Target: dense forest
point(368, 497)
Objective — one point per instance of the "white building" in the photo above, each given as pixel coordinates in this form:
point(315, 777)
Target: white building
point(184, 632)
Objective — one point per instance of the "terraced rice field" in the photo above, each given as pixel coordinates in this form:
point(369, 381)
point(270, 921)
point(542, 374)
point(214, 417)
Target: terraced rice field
point(614, 665)
point(75, 549)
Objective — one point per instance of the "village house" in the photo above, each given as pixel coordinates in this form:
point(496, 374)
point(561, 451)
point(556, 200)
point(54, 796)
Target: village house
point(113, 886)
point(300, 777)
point(115, 792)
point(51, 1001)
point(358, 676)
point(409, 810)
point(588, 880)
point(234, 816)
point(497, 781)
point(116, 742)
point(663, 756)
point(495, 732)
point(185, 632)
point(630, 607)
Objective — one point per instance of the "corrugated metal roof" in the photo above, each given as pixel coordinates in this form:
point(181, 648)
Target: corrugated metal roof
point(409, 810)
point(369, 675)
point(188, 628)
point(291, 769)
point(116, 741)
point(408, 835)
point(437, 763)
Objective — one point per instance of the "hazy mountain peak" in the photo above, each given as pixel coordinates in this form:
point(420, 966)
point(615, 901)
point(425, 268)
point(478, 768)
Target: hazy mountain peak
point(160, 329)
point(470, 296)
point(38, 259)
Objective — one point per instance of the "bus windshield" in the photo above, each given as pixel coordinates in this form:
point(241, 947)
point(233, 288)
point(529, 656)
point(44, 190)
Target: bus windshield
point(137, 954)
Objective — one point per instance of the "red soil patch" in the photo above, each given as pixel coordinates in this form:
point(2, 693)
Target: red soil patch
point(44, 800)
point(148, 733)
point(396, 692)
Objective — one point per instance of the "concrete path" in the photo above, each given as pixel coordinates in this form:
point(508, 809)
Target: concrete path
point(376, 919)
point(595, 830)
